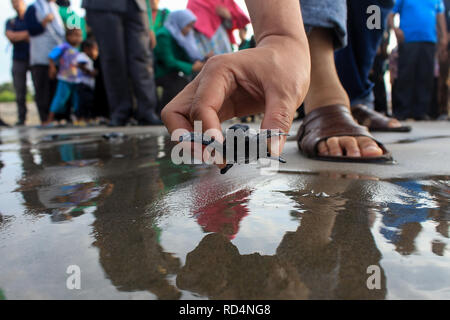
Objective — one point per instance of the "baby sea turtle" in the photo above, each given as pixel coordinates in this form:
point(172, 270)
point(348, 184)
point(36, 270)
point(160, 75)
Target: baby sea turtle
point(239, 157)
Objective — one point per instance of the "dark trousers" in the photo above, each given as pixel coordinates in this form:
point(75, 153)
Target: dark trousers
point(443, 87)
point(86, 108)
point(100, 98)
point(172, 84)
point(355, 61)
point(379, 89)
point(44, 89)
point(19, 74)
point(415, 81)
point(124, 44)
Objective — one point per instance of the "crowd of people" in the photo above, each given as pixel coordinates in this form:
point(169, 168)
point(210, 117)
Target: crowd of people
point(128, 59)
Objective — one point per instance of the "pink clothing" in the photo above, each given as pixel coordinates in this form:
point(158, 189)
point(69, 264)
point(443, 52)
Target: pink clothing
point(208, 21)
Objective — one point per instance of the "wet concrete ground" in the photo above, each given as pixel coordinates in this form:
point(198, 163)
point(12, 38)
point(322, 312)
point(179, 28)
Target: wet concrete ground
point(140, 227)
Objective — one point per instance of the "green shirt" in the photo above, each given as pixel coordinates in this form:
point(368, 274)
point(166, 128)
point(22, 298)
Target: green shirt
point(160, 18)
point(169, 56)
point(67, 13)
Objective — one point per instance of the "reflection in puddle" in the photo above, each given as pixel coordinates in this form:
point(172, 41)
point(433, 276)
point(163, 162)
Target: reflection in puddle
point(140, 227)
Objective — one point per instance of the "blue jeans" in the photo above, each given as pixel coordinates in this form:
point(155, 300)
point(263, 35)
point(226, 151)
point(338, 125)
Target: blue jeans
point(355, 61)
point(64, 91)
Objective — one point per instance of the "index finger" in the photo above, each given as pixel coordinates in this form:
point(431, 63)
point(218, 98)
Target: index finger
point(216, 83)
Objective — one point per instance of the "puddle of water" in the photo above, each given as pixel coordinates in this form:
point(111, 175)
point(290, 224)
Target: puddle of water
point(140, 227)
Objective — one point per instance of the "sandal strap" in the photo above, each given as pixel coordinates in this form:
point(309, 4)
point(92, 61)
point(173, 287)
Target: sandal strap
point(326, 122)
point(370, 118)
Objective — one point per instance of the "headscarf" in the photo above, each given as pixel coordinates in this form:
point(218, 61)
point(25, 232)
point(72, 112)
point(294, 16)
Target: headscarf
point(208, 21)
point(56, 27)
point(175, 22)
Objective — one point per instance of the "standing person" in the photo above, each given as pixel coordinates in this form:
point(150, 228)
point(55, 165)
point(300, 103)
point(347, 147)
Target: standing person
point(65, 57)
point(70, 18)
point(87, 74)
point(444, 65)
point(121, 29)
point(355, 62)
point(46, 31)
point(216, 21)
point(17, 34)
point(417, 36)
point(377, 76)
point(175, 53)
point(157, 17)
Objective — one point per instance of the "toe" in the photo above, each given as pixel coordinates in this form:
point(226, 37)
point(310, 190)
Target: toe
point(394, 123)
point(350, 145)
point(322, 148)
point(334, 147)
point(368, 147)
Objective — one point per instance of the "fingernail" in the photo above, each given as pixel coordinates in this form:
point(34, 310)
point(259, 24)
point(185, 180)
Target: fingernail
point(371, 148)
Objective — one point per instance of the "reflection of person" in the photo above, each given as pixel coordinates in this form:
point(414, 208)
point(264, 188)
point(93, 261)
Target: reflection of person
point(46, 31)
point(325, 258)
point(224, 215)
point(17, 34)
point(126, 236)
point(176, 52)
point(274, 79)
point(404, 223)
point(121, 30)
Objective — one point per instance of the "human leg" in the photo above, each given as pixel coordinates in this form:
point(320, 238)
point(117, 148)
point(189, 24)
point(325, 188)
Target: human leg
point(19, 71)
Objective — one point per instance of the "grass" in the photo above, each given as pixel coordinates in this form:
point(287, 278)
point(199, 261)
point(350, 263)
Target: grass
point(7, 93)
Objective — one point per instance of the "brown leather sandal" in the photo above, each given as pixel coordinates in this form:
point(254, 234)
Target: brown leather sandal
point(334, 121)
point(374, 120)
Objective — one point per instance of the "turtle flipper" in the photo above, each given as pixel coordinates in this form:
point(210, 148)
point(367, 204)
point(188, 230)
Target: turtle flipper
point(196, 138)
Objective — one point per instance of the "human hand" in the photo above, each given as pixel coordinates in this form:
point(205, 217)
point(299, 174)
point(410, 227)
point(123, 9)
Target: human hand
point(52, 72)
point(153, 42)
point(272, 78)
point(209, 55)
point(48, 18)
point(399, 35)
point(443, 51)
point(223, 12)
point(197, 66)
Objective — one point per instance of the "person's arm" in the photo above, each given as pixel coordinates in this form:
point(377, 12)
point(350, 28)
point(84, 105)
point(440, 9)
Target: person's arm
point(443, 36)
point(52, 70)
point(34, 27)
point(17, 36)
point(9, 33)
point(397, 31)
point(272, 78)
point(82, 67)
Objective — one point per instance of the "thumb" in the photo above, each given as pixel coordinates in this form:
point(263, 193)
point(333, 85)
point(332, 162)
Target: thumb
point(216, 84)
